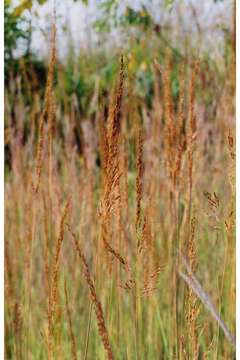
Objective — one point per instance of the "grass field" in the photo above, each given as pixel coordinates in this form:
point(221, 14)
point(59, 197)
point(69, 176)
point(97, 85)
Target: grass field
point(120, 225)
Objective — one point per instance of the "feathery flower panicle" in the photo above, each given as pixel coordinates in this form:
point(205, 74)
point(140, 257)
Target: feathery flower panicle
point(139, 178)
point(97, 305)
point(111, 194)
point(48, 111)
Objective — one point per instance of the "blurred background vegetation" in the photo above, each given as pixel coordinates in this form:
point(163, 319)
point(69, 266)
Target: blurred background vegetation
point(133, 28)
point(139, 35)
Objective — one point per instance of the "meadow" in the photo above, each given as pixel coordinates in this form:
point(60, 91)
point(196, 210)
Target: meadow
point(120, 209)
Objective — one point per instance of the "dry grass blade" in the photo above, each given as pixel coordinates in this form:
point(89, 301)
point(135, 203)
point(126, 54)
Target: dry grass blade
point(57, 255)
point(52, 301)
point(74, 350)
point(194, 284)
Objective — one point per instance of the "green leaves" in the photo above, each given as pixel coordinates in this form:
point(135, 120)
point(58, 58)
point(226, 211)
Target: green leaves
point(85, 2)
point(27, 5)
point(7, 2)
point(141, 17)
point(169, 4)
point(13, 32)
point(109, 15)
point(24, 5)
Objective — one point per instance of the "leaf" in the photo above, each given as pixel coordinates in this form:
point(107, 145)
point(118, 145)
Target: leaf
point(25, 5)
point(169, 4)
point(85, 2)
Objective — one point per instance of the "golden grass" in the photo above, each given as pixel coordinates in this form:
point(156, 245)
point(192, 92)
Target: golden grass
point(149, 224)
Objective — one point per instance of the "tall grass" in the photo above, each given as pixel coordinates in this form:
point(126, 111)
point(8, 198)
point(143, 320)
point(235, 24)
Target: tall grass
point(106, 244)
